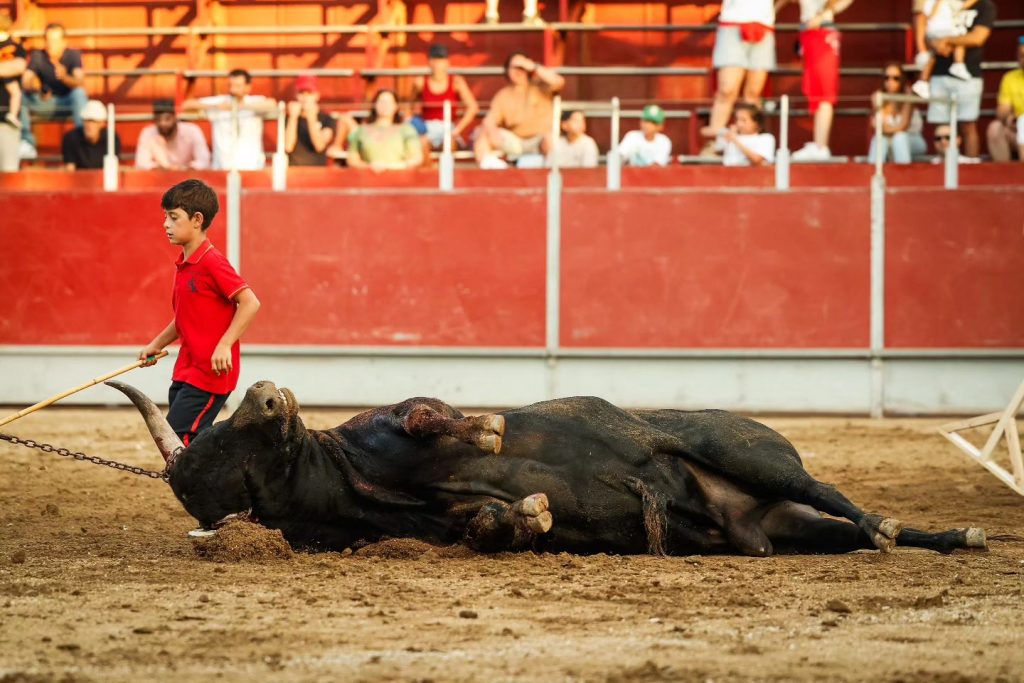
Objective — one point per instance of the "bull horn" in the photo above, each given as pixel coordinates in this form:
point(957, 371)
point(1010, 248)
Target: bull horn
point(166, 440)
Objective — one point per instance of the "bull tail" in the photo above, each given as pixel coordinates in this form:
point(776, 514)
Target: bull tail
point(655, 515)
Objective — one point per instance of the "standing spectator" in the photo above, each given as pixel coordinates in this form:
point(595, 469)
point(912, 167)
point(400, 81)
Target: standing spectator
point(54, 86)
point(384, 143)
point(819, 47)
point(575, 149)
point(432, 92)
point(530, 15)
point(308, 130)
point(744, 54)
point(236, 123)
point(12, 65)
point(1006, 132)
point(519, 121)
point(977, 26)
point(84, 147)
point(9, 51)
point(647, 146)
point(943, 19)
point(901, 122)
point(170, 144)
point(746, 143)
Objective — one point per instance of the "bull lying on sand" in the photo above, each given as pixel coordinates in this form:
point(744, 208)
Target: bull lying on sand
point(574, 474)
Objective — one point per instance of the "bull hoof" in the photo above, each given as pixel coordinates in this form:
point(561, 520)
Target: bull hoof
point(534, 511)
point(492, 427)
point(882, 531)
point(541, 524)
point(974, 537)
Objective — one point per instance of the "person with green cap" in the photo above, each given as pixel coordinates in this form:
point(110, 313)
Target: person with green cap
point(647, 146)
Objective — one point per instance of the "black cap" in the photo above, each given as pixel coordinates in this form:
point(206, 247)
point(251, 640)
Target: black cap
point(163, 106)
point(438, 51)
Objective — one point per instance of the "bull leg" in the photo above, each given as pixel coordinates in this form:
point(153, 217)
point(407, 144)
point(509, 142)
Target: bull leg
point(484, 432)
point(500, 526)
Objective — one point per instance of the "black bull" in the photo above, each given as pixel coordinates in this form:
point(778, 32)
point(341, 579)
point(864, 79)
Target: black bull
point(574, 474)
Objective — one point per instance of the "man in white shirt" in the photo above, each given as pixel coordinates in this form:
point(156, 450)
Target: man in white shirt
point(647, 146)
point(236, 123)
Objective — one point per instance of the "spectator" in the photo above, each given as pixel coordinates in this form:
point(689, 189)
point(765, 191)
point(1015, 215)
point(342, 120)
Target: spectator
point(819, 47)
point(308, 130)
point(235, 145)
point(85, 146)
point(9, 50)
point(384, 143)
point(170, 144)
point(519, 121)
point(432, 92)
point(12, 64)
point(942, 140)
point(53, 85)
point(530, 15)
point(746, 143)
point(977, 25)
point(942, 19)
point(575, 149)
point(1006, 132)
point(901, 122)
point(647, 146)
point(744, 54)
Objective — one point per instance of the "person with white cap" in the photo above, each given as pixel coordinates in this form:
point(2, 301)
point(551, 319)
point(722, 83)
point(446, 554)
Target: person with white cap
point(85, 146)
point(647, 146)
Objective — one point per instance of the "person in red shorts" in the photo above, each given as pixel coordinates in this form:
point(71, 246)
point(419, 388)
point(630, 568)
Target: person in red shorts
point(213, 306)
point(819, 45)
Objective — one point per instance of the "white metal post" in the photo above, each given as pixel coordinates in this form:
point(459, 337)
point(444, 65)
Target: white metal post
point(614, 181)
point(554, 255)
point(110, 164)
point(279, 169)
point(446, 165)
point(782, 157)
point(877, 324)
point(881, 149)
point(952, 167)
point(234, 231)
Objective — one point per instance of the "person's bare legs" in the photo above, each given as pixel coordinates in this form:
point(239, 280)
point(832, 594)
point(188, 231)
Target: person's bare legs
point(730, 80)
point(998, 141)
point(972, 143)
point(823, 124)
point(485, 145)
point(754, 86)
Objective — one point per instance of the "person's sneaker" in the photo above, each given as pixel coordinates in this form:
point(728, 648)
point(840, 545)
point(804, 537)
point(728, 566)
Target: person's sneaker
point(202, 532)
point(492, 162)
point(12, 119)
point(532, 20)
point(491, 19)
point(811, 152)
point(958, 70)
point(26, 150)
point(921, 89)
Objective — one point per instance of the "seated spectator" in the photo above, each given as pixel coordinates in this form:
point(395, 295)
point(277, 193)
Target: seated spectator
point(519, 121)
point(13, 61)
point(942, 140)
point(170, 144)
point(384, 143)
point(432, 92)
point(575, 149)
point(1006, 132)
point(53, 86)
point(9, 51)
point(746, 143)
point(308, 130)
point(235, 145)
point(900, 136)
point(84, 147)
point(647, 146)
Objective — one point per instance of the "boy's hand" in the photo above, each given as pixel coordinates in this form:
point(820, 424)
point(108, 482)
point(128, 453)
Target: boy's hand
point(148, 352)
point(221, 359)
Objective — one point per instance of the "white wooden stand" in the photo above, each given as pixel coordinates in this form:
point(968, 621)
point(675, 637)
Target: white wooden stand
point(1005, 424)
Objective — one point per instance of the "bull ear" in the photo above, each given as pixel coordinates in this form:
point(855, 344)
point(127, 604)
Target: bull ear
point(166, 440)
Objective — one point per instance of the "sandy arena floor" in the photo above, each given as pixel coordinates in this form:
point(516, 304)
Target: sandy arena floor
point(99, 583)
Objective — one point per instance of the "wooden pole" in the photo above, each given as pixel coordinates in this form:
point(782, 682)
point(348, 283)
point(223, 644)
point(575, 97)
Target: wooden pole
point(80, 387)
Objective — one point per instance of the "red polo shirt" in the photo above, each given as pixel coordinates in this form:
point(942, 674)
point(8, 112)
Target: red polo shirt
point(203, 300)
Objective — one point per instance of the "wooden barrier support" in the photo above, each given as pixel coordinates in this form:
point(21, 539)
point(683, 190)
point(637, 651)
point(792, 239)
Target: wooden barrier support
point(1006, 424)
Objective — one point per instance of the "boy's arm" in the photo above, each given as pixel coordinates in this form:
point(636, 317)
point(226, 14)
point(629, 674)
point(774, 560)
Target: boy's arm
point(248, 304)
point(166, 336)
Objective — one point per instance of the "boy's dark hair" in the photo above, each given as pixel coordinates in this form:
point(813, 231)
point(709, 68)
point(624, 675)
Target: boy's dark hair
point(240, 72)
point(511, 56)
point(567, 114)
point(755, 113)
point(55, 26)
point(192, 196)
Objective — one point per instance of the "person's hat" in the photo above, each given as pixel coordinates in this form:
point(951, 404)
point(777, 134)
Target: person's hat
point(306, 83)
point(654, 114)
point(163, 106)
point(438, 51)
point(94, 111)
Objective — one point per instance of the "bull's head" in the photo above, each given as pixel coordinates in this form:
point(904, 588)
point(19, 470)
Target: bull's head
point(211, 476)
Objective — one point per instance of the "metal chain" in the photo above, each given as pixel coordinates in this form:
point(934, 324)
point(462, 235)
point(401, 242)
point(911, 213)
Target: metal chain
point(47, 448)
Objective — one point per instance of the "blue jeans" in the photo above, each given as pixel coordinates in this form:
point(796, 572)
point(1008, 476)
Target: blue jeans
point(904, 147)
point(54, 107)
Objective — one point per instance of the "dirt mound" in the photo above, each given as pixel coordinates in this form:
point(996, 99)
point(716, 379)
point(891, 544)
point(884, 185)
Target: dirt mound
point(240, 541)
point(411, 549)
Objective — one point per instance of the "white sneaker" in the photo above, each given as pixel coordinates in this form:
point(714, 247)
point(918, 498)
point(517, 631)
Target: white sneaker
point(811, 152)
point(921, 89)
point(26, 150)
point(492, 162)
point(491, 19)
point(958, 70)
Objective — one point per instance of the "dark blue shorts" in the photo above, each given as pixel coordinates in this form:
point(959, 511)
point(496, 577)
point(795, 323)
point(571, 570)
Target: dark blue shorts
point(191, 409)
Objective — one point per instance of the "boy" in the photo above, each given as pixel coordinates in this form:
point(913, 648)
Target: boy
point(575, 149)
point(213, 306)
point(647, 146)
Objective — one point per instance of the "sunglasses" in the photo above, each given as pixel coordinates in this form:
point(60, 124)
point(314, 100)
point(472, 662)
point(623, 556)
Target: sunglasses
point(940, 138)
